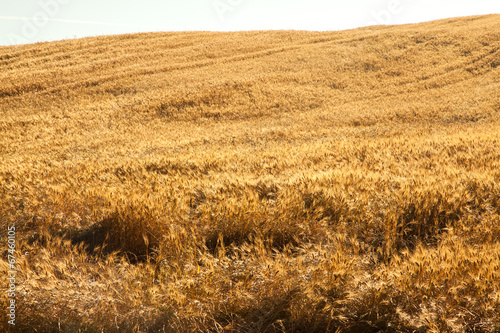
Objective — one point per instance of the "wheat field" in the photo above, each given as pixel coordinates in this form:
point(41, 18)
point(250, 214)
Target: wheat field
point(264, 181)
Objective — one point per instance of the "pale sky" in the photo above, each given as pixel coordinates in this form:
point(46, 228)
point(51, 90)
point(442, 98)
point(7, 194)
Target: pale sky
point(30, 21)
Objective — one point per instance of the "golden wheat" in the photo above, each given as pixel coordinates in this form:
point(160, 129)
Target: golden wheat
point(270, 181)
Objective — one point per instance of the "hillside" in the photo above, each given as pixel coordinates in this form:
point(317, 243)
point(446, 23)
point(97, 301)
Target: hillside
point(264, 181)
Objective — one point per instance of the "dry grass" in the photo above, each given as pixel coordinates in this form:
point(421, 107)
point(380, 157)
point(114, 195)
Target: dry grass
point(255, 181)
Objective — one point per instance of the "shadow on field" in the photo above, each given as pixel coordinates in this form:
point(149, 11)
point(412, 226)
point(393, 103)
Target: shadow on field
point(127, 234)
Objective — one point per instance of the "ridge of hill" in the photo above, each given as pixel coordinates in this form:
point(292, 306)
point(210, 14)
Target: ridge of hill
point(261, 181)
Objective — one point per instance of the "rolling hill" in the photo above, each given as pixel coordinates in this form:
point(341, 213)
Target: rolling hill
point(261, 181)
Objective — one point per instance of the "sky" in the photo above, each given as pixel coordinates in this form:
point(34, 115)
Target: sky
point(31, 21)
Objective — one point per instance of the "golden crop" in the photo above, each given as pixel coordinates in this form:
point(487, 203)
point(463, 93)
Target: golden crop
point(271, 181)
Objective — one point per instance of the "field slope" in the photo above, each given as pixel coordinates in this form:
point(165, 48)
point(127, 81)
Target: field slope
point(270, 181)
